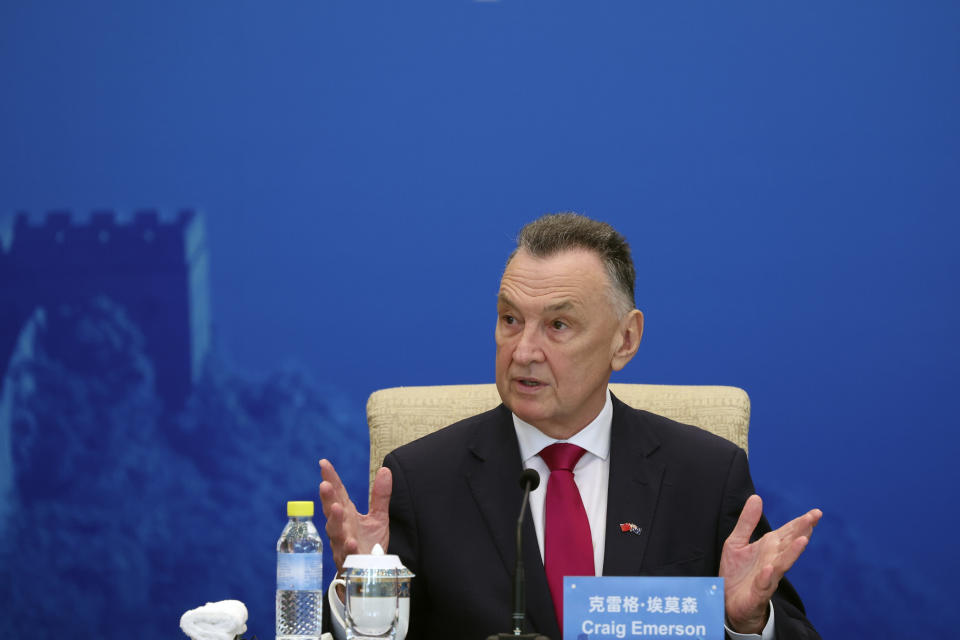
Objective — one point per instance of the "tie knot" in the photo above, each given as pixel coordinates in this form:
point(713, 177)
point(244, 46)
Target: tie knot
point(562, 456)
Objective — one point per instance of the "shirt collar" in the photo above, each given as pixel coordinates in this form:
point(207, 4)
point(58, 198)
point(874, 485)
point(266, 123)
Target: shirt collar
point(595, 437)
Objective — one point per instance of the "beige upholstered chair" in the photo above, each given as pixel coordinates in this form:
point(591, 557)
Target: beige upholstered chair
point(397, 416)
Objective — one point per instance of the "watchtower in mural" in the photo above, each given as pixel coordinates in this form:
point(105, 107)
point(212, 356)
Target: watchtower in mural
point(156, 269)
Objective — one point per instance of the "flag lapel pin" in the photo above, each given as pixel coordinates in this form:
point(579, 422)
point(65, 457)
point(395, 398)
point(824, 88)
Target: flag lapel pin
point(629, 527)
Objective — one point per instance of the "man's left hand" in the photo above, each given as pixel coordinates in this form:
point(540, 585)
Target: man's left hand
point(752, 570)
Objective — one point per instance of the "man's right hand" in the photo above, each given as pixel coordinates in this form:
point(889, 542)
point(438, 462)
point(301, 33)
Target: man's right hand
point(348, 530)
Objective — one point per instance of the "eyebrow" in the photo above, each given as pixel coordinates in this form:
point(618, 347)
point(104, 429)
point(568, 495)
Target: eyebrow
point(562, 305)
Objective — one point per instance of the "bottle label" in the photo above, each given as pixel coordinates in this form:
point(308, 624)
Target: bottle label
point(300, 571)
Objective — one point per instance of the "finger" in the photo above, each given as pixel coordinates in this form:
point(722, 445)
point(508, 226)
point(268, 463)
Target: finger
point(800, 526)
point(351, 546)
point(332, 490)
point(336, 525)
point(329, 474)
point(790, 555)
point(749, 517)
point(380, 497)
point(330, 497)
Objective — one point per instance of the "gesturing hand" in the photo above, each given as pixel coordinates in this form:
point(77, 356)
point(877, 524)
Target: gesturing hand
point(348, 530)
point(752, 570)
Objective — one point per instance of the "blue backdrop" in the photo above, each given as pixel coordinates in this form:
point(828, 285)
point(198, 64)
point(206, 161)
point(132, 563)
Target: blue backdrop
point(786, 173)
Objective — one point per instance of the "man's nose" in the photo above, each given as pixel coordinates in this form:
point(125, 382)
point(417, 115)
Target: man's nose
point(529, 348)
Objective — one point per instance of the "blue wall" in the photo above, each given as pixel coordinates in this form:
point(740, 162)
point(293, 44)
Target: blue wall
point(786, 173)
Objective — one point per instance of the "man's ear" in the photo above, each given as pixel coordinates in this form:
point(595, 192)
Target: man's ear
point(628, 333)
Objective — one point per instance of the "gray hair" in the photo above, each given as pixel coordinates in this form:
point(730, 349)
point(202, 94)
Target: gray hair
point(557, 232)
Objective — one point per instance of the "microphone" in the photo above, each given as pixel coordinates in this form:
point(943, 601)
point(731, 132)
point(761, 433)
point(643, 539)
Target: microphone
point(529, 480)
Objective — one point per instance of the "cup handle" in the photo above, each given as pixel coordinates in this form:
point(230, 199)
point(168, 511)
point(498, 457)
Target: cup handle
point(334, 600)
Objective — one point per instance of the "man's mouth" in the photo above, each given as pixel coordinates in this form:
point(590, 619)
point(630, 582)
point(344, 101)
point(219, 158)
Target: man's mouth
point(529, 382)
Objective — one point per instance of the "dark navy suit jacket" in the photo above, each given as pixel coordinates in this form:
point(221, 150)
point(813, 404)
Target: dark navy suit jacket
point(456, 497)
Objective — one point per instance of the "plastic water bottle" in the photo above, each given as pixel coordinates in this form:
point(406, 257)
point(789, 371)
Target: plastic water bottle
point(299, 576)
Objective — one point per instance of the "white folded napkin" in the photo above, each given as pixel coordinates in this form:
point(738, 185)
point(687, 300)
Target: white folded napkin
point(222, 620)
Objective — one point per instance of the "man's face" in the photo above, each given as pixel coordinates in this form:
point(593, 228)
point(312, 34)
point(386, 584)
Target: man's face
point(557, 339)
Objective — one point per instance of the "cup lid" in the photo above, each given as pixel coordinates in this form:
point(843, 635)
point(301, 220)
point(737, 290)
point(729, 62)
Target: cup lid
point(376, 559)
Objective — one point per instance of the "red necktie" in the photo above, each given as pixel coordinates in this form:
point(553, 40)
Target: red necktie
point(567, 546)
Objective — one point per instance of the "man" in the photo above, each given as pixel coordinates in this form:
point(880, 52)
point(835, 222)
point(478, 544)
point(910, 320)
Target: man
point(447, 503)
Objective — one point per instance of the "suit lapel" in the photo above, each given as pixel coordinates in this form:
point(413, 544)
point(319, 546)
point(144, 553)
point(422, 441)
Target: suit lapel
point(632, 494)
point(493, 475)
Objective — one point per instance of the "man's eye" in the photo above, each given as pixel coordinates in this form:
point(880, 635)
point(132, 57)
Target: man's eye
point(508, 319)
point(559, 324)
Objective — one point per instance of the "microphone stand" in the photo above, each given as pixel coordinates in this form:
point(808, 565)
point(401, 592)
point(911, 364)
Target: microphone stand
point(530, 480)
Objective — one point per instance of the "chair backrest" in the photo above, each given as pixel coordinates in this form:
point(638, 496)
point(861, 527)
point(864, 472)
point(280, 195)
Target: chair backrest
point(399, 415)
